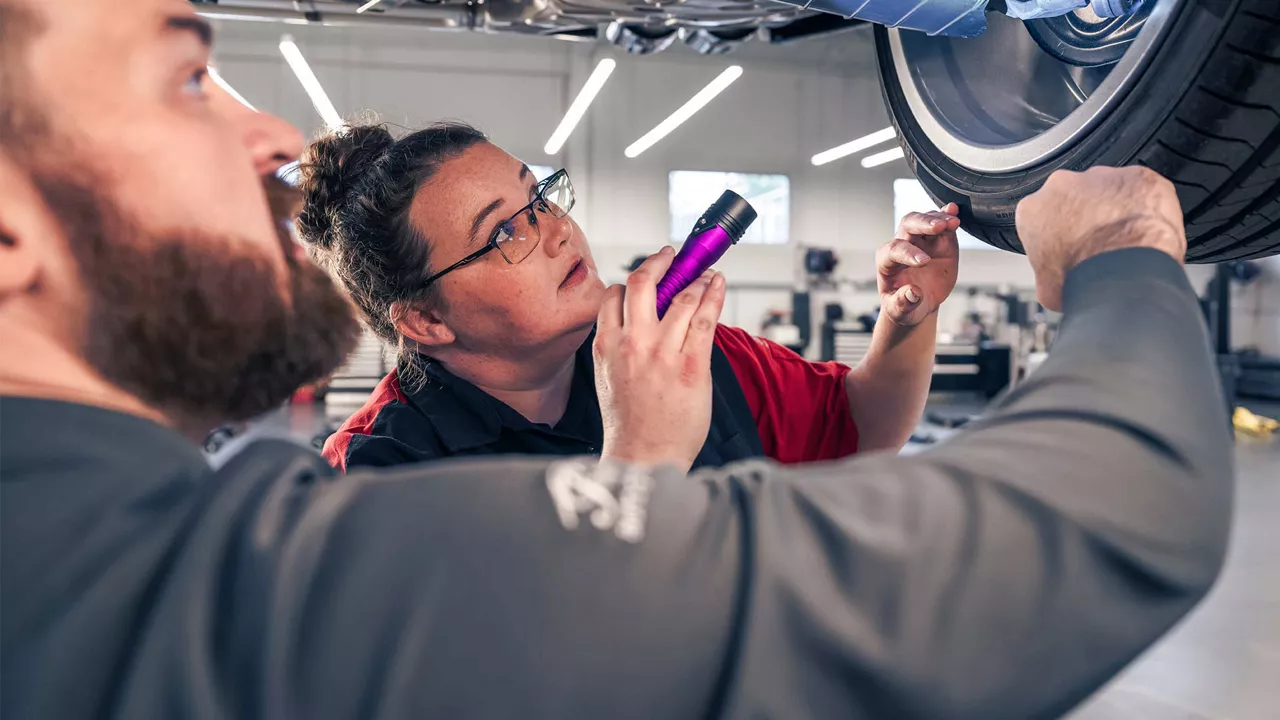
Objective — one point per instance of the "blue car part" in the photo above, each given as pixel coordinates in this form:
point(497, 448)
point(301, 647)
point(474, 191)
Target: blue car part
point(959, 18)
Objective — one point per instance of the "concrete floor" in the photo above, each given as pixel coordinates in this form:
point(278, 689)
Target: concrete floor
point(1221, 663)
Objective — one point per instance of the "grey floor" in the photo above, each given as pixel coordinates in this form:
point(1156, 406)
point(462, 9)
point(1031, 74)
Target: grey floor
point(1221, 663)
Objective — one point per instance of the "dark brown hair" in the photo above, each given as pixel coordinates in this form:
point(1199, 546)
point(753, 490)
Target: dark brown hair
point(358, 185)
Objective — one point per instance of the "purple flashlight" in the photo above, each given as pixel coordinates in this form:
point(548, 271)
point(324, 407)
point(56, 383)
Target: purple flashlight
point(722, 225)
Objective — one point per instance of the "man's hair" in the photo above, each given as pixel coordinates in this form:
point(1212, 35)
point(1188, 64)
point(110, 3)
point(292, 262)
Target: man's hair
point(19, 25)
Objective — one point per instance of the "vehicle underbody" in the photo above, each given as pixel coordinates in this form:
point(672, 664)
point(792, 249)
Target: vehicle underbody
point(987, 97)
point(648, 26)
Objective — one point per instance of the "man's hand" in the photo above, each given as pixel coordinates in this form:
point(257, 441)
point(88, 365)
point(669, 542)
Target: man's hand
point(653, 377)
point(1078, 215)
point(917, 269)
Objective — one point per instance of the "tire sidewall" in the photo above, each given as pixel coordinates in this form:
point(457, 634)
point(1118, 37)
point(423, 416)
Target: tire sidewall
point(989, 199)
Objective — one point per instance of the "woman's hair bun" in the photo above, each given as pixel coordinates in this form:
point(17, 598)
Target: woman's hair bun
point(330, 171)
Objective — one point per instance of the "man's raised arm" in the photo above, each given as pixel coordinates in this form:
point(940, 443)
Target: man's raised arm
point(1014, 570)
point(1005, 574)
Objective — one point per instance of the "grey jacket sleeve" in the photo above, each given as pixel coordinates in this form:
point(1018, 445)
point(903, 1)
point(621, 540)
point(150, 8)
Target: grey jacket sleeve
point(1005, 574)
point(1012, 571)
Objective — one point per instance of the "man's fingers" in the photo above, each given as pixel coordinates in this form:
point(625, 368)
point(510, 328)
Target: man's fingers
point(640, 307)
point(702, 326)
point(930, 223)
point(900, 252)
point(675, 324)
point(609, 322)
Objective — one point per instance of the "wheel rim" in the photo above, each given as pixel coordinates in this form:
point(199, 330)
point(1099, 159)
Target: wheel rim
point(1021, 94)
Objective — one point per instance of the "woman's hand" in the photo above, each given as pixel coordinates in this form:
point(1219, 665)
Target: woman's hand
point(917, 269)
point(653, 377)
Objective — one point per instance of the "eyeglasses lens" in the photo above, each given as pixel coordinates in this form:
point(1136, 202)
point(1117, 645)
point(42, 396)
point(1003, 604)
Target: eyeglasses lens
point(520, 235)
point(559, 196)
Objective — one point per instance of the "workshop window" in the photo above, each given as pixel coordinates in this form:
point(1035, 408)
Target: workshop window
point(691, 191)
point(910, 196)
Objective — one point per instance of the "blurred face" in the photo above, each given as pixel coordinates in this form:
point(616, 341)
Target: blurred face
point(493, 306)
point(168, 268)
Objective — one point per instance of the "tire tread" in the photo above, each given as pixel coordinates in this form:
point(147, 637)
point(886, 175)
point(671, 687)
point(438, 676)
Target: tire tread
point(1212, 135)
point(1231, 215)
point(1259, 16)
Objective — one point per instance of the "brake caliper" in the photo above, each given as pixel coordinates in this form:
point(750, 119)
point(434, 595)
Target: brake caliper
point(960, 18)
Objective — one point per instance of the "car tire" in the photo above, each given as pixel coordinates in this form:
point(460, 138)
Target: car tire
point(1205, 113)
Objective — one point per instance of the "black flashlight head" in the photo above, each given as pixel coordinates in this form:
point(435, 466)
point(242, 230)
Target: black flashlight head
point(730, 212)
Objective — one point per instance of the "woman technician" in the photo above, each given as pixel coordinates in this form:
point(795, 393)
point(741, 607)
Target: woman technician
point(486, 285)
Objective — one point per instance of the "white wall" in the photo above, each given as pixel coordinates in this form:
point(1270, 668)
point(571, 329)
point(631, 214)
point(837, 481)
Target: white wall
point(791, 102)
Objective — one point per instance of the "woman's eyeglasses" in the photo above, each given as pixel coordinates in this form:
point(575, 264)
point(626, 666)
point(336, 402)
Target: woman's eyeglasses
point(517, 236)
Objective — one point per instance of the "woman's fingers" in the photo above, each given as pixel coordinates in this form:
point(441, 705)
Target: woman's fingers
point(609, 321)
point(900, 253)
point(930, 223)
point(904, 302)
point(675, 323)
point(701, 332)
point(640, 306)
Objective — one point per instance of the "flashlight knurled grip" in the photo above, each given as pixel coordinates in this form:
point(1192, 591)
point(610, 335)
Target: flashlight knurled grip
point(722, 225)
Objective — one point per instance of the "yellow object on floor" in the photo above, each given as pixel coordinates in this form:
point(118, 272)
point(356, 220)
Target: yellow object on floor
point(1256, 425)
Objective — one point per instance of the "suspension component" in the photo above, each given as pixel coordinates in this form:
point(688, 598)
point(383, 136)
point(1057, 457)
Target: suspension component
point(960, 18)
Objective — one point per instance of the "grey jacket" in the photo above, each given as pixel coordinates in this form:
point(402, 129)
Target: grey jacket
point(1006, 573)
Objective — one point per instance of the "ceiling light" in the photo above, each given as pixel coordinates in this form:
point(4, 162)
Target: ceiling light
point(226, 87)
point(881, 158)
point(686, 111)
point(310, 83)
point(854, 146)
point(367, 5)
point(580, 104)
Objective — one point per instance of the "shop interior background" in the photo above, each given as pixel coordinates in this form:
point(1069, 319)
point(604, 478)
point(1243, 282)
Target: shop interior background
point(791, 102)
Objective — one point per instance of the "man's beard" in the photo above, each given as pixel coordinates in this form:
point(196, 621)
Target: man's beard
point(195, 325)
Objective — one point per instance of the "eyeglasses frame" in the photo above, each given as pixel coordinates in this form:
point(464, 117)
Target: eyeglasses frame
point(539, 197)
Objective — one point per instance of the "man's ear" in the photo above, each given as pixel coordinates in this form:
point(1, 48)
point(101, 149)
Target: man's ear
point(24, 223)
point(423, 326)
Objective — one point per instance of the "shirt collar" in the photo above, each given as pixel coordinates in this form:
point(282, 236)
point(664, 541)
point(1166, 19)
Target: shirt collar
point(466, 417)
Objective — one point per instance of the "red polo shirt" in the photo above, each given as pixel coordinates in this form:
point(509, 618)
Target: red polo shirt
point(800, 408)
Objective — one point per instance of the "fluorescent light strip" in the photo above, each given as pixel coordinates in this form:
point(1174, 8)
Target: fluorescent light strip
point(579, 106)
point(686, 111)
point(226, 87)
point(881, 158)
point(854, 146)
point(310, 83)
point(367, 5)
